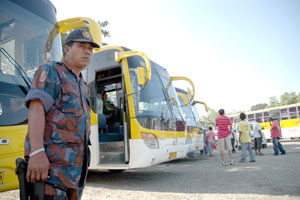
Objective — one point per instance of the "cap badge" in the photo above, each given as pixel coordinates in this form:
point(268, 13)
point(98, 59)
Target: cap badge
point(87, 35)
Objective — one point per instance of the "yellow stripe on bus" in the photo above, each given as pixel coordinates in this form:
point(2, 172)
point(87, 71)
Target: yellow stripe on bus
point(290, 123)
point(137, 129)
point(94, 119)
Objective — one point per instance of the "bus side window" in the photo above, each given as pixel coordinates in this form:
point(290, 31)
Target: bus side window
point(292, 113)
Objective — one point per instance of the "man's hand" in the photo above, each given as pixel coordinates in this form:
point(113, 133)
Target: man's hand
point(38, 167)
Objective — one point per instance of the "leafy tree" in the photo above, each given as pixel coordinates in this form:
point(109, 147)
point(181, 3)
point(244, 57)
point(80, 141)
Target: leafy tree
point(102, 25)
point(288, 98)
point(298, 98)
point(211, 116)
point(259, 106)
point(273, 102)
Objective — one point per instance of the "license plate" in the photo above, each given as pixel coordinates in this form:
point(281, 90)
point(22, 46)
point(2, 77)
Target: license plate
point(197, 147)
point(2, 174)
point(173, 155)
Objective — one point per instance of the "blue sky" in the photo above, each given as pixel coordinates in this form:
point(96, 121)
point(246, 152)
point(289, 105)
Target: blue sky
point(237, 53)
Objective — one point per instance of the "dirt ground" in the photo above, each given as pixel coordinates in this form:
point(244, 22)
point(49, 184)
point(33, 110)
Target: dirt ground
point(202, 177)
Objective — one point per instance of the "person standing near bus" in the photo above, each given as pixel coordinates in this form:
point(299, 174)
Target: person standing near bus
point(224, 141)
point(232, 138)
point(275, 135)
point(59, 121)
point(245, 138)
point(205, 145)
point(210, 140)
point(257, 137)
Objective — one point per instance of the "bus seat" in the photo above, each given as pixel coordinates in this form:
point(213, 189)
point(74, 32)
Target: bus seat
point(101, 121)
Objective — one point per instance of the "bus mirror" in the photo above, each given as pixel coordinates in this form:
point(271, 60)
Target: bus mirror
point(125, 54)
point(141, 74)
point(177, 78)
point(184, 98)
point(203, 103)
point(71, 24)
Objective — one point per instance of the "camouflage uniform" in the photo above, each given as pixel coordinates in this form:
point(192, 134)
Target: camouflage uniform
point(67, 128)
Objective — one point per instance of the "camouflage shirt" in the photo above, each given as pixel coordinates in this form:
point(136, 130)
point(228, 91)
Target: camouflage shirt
point(67, 127)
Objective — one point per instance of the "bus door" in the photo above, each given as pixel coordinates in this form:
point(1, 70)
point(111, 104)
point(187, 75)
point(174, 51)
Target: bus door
point(106, 80)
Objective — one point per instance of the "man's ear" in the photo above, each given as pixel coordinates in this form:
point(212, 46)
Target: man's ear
point(66, 49)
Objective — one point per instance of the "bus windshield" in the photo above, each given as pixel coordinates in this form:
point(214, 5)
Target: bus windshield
point(196, 114)
point(154, 101)
point(188, 114)
point(14, 86)
point(24, 30)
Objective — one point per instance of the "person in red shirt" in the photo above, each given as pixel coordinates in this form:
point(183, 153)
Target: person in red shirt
point(224, 141)
point(275, 135)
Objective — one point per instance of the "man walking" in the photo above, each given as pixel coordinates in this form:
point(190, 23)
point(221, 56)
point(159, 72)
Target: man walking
point(59, 121)
point(257, 137)
point(275, 135)
point(224, 141)
point(245, 139)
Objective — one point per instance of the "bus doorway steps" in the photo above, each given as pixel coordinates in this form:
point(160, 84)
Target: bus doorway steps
point(112, 152)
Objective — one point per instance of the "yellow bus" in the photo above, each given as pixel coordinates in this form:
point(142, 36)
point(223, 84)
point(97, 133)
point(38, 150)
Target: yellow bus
point(28, 37)
point(139, 122)
point(288, 116)
point(195, 136)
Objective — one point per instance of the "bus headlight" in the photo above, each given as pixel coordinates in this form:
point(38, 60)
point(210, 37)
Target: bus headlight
point(188, 140)
point(150, 140)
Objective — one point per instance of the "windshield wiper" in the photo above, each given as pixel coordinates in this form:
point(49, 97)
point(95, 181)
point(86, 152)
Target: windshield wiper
point(170, 107)
point(16, 65)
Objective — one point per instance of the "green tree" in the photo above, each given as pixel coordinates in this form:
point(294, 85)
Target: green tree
point(298, 98)
point(103, 25)
point(288, 98)
point(259, 106)
point(273, 102)
point(211, 116)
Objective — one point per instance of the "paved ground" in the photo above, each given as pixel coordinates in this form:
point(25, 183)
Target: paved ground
point(202, 177)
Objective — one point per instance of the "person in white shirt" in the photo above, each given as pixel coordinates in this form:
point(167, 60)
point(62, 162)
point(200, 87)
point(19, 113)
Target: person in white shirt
point(99, 104)
point(257, 137)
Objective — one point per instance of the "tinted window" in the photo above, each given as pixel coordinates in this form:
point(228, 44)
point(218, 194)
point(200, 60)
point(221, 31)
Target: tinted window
point(12, 94)
point(266, 114)
point(293, 112)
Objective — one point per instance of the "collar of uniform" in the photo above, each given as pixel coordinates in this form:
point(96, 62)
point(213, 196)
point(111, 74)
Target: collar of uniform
point(66, 63)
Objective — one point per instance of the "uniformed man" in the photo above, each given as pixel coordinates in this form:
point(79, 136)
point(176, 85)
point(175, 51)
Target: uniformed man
point(59, 120)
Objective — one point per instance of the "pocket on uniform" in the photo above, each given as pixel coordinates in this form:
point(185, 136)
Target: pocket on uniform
point(63, 153)
point(72, 110)
point(64, 147)
point(70, 103)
